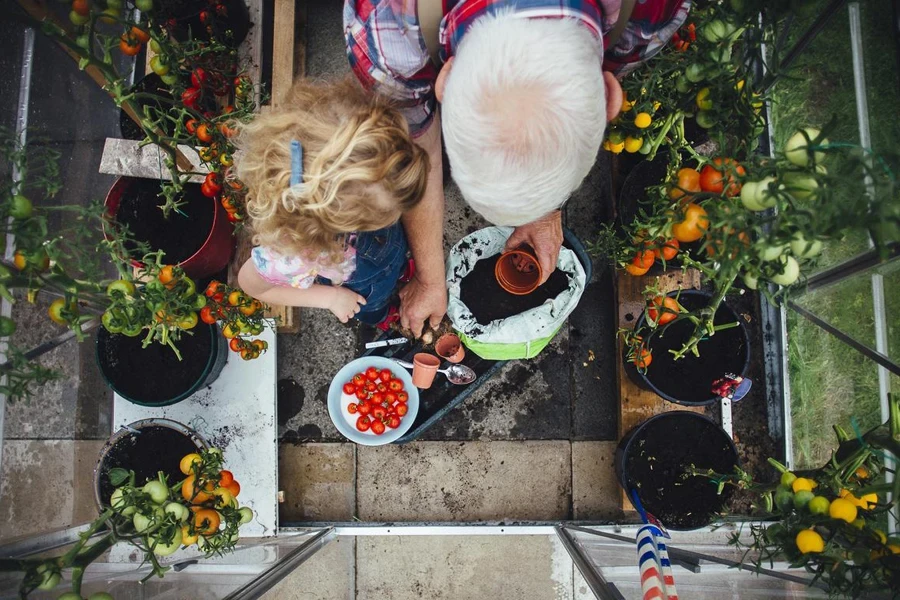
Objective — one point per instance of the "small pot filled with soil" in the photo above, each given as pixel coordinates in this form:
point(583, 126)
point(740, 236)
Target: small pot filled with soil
point(656, 457)
point(153, 376)
point(689, 380)
point(145, 447)
point(199, 238)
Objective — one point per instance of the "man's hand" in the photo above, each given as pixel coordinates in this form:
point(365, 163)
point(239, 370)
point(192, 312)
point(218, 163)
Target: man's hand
point(544, 235)
point(420, 301)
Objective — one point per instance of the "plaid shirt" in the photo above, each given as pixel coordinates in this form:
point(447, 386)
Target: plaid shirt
point(389, 56)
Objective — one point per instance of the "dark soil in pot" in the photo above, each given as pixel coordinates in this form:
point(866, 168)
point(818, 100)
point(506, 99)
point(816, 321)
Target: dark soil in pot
point(232, 15)
point(689, 380)
point(155, 448)
point(150, 83)
point(153, 375)
point(654, 459)
point(179, 236)
point(488, 302)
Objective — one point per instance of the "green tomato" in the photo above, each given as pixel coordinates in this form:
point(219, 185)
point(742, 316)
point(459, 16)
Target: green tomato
point(101, 596)
point(177, 510)
point(118, 503)
point(715, 31)
point(796, 149)
point(819, 505)
point(158, 66)
point(790, 271)
point(800, 185)
point(133, 330)
point(199, 301)
point(787, 479)
point(141, 522)
point(110, 322)
point(160, 548)
point(117, 4)
point(190, 287)
point(683, 84)
point(157, 490)
point(7, 327)
point(802, 498)
point(770, 252)
point(49, 577)
point(78, 19)
point(751, 281)
point(804, 248)
point(246, 514)
point(120, 285)
point(694, 73)
point(705, 119)
point(784, 500)
point(144, 6)
point(154, 45)
point(169, 79)
point(70, 596)
point(755, 195)
point(720, 55)
point(83, 41)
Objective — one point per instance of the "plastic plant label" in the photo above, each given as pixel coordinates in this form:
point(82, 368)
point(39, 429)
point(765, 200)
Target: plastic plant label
point(732, 387)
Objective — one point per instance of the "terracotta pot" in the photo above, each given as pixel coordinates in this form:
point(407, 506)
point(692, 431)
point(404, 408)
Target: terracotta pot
point(450, 348)
point(424, 368)
point(216, 249)
point(518, 271)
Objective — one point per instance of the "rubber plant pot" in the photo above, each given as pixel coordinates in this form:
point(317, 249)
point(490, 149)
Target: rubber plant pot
point(153, 376)
point(654, 457)
point(200, 240)
point(145, 447)
point(689, 380)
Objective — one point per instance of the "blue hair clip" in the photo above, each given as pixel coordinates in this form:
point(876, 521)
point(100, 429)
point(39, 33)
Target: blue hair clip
point(296, 163)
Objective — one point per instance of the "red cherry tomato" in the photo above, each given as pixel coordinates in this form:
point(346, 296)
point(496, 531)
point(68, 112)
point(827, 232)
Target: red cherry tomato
point(361, 394)
point(393, 422)
point(378, 398)
point(363, 423)
point(379, 412)
point(377, 427)
point(352, 408)
point(385, 375)
point(381, 388)
point(364, 408)
point(390, 398)
point(359, 379)
point(349, 389)
point(395, 385)
point(401, 409)
point(371, 373)
point(207, 316)
point(402, 396)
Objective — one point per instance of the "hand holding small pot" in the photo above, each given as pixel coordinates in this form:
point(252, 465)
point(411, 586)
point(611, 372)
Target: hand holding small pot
point(518, 271)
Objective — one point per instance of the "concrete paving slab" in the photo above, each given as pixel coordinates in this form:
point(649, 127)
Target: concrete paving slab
point(463, 567)
point(459, 219)
point(330, 574)
point(596, 494)
point(527, 399)
point(46, 485)
point(473, 481)
point(593, 352)
point(325, 47)
point(319, 482)
point(307, 361)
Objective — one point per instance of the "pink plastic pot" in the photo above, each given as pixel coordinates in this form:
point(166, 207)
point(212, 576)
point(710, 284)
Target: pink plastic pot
point(450, 348)
point(425, 367)
point(215, 252)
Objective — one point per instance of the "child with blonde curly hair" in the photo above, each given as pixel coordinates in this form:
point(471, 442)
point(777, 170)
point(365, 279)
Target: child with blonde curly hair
point(328, 174)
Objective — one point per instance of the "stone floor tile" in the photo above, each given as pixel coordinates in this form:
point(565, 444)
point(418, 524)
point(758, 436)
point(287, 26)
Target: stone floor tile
point(462, 568)
point(326, 51)
point(330, 574)
point(319, 482)
point(46, 485)
point(595, 490)
point(473, 481)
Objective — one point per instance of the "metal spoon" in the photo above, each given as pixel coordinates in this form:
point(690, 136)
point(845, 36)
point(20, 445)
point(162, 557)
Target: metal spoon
point(456, 374)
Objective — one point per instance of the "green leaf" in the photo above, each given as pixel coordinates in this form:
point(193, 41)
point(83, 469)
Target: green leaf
point(117, 476)
point(82, 63)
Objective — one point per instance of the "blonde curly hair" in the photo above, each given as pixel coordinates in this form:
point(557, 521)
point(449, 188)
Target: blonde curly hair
point(361, 169)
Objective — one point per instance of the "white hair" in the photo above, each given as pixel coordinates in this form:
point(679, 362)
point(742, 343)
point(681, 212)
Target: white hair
point(524, 111)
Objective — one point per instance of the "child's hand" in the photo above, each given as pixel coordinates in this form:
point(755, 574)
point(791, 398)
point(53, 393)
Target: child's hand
point(346, 303)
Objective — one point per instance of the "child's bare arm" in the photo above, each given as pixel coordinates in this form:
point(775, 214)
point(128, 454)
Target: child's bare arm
point(343, 302)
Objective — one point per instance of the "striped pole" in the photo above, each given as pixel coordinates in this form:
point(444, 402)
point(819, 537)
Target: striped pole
point(657, 582)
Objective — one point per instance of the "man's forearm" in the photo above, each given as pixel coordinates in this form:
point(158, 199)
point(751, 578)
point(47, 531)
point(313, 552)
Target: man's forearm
point(424, 225)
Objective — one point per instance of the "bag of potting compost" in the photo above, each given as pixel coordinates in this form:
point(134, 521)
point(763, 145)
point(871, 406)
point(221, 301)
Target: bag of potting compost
point(495, 324)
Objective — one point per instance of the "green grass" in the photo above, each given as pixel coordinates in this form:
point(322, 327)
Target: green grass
point(831, 382)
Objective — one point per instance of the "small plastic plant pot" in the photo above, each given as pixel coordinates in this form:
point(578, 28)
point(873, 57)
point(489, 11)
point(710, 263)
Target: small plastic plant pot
point(425, 367)
point(450, 348)
point(518, 271)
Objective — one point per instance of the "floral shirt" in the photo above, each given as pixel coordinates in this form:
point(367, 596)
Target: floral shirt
point(294, 271)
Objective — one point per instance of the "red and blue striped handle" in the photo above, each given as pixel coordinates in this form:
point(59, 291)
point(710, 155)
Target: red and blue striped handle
point(657, 582)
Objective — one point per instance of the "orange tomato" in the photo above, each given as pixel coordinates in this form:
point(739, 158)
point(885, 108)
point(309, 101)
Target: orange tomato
point(203, 133)
point(234, 487)
point(635, 271)
point(662, 309)
point(694, 223)
point(129, 45)
point(643, 358)
point(225, 478)
point(81, 7)
point(140, 34)
point(188, 538)
point(688, 183)
point(191, 493)
point(713, 178)
point(167, 276)
point(667, 250)
point(644, 259)
point(206, 521)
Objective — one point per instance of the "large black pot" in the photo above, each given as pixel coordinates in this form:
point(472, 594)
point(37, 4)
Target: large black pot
point(183, 19)
point(689, 380)
point(145, 447)
point(153, 376)
point(652, 460)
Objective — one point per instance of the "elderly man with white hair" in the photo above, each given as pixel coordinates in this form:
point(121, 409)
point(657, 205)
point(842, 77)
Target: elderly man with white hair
point(526, 88)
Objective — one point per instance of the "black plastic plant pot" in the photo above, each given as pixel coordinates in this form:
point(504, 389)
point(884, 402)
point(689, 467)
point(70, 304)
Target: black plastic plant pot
point(689, 380)
point(185, 19)
point(145, 447)
point(654, 460)
point(153, 376)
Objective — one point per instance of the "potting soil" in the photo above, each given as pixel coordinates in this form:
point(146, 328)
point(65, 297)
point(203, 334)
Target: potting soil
point(660, 455)
point(690, 378)
point(154, 374)
point(179, 235)
point(488, 302)
point(154, 449)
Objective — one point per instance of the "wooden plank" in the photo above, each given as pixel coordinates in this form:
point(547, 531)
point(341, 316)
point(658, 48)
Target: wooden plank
point(637, 404)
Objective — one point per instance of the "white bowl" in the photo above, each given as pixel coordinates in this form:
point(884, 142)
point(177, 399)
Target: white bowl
point(337, 404)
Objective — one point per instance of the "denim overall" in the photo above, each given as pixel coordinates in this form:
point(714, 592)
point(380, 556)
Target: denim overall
point(381, 257)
